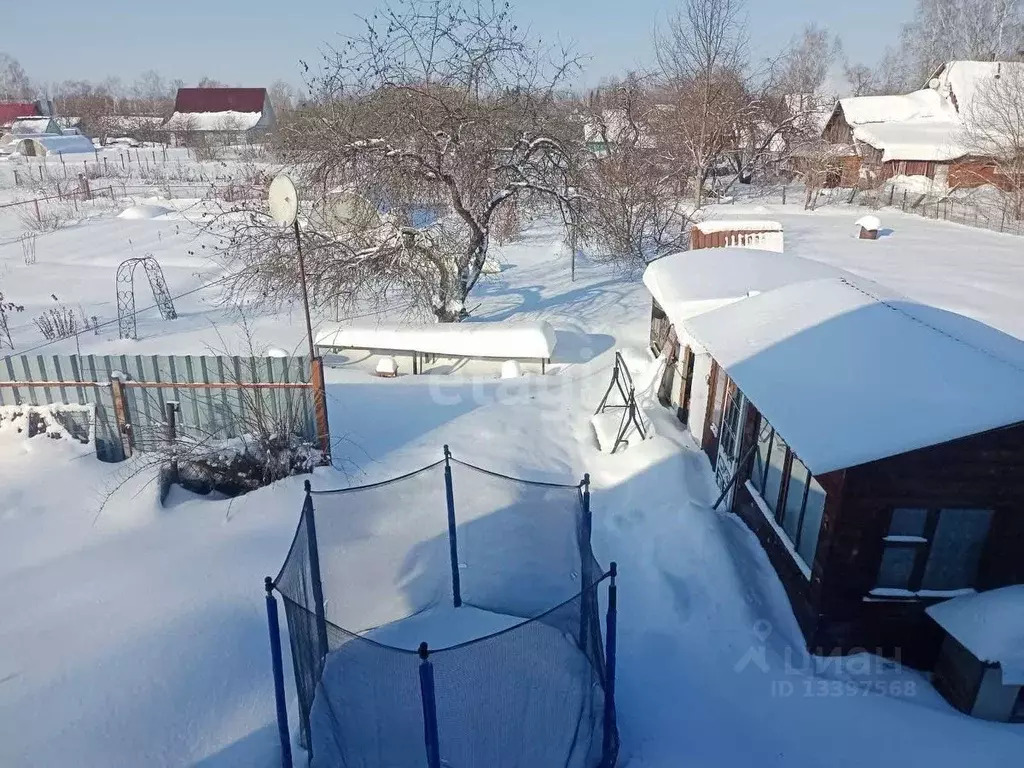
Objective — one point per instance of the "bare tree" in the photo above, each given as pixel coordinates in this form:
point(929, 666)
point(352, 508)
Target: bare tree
point(14, 83)
point(631, 210)
point(945, 30)
point(438, 105)
point(702, 62)
point(994, 130)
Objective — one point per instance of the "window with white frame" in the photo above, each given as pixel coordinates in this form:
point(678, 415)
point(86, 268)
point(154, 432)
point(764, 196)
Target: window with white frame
point(933, 549)
point(789, 491)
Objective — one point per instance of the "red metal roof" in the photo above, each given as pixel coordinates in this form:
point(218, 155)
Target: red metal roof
point(12, 110)
point(220, 100)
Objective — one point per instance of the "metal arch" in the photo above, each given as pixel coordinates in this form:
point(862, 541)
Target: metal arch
point(126, 324)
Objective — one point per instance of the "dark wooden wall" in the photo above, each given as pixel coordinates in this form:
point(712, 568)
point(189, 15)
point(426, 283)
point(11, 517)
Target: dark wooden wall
point(985, 471)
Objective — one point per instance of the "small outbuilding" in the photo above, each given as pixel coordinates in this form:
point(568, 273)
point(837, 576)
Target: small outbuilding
point(875, 445)
point(980, 669)
point(725, 233)
point(46, 144)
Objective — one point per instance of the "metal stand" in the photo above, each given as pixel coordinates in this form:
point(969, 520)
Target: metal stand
point(622, 381)
point(317, 584)
point(275, 655)
point(608, 751)
point(430, 739)
point(126, 324)
point(453, 544)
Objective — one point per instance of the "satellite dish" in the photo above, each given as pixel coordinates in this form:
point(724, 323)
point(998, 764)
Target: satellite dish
point(350, 211)
point(284, 200)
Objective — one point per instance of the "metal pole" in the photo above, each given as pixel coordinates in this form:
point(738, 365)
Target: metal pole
point(278, 664)
point(430, 738)
point(314, 567)
point(453, 543)
point(170, 411)
point(610, 734)
point(585, 558)
point(305, 292)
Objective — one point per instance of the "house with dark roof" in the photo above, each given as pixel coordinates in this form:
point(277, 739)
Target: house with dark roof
point(220, 115)
point(10, 111)
point(873, 444)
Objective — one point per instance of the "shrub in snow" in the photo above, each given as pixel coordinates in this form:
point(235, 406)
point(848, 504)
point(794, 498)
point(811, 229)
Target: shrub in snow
point(238, 466)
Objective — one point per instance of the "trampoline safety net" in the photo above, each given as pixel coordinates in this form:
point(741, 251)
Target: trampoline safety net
point(506, 599)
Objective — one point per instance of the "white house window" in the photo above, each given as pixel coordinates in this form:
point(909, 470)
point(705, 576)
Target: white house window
point(933, 549)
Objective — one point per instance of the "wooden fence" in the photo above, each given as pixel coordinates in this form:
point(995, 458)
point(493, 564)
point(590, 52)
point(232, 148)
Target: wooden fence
point(213, 397)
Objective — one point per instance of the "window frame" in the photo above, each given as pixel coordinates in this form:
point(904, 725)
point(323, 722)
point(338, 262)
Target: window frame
point(922, 549)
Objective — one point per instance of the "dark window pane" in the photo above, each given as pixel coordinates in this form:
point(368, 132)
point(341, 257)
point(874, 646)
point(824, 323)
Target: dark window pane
point(908, 522)
point(798, 475)
point(956, 549)
point(764, 441)
point(776, 463)
point(721, 379)
point(814, 509)
point(897, 566)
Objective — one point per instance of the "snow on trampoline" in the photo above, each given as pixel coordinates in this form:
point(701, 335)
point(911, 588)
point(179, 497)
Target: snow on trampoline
point(454, 596)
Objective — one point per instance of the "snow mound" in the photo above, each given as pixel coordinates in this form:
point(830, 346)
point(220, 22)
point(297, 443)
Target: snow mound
point(276, 352)
point(386, 366)
point(511, 369)
point(990, 625)
point(144, 211)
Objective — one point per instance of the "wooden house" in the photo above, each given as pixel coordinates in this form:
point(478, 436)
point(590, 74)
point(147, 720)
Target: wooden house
point(220, 116)
point(923, 133)
point(874, 445)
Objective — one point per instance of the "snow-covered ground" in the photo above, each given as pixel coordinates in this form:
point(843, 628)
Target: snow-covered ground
point(136, 635)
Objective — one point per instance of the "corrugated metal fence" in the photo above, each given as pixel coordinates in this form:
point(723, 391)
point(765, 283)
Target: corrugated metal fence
point(218, 397)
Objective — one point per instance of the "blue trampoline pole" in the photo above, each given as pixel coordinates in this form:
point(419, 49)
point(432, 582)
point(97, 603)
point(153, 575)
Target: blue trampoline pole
point(314, 567)
point(453, 544)
point(585, 559)
point(275, 656)
point(609, 690)
point(430, 738)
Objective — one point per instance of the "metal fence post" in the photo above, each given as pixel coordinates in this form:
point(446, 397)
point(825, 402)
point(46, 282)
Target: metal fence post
point(453, 544)
point(171, 425)
point(123, 423)
point(275, 657)
point(609, 691)
point(585, 558)
point(323, 429)
point(430, 738)
point(314, 567)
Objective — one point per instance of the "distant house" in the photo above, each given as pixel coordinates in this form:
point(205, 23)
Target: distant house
point(34, 126)
point(873, 444)
point(220, 115)
point(14, 110)
point(915, 134)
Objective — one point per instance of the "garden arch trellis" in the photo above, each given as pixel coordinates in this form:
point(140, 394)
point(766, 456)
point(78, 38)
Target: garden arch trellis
point(126, 324)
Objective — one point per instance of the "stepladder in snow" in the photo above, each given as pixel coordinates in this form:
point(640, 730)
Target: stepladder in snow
point(621, 417)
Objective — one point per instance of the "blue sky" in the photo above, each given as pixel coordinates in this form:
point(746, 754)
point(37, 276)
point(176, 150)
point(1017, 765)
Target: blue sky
point(258, 41)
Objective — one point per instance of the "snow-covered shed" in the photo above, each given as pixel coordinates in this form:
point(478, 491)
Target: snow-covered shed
point(981, 664)
point(922, 133)
point(35, 126)
point(874, 444)
point(744, 233)
point(221, 115)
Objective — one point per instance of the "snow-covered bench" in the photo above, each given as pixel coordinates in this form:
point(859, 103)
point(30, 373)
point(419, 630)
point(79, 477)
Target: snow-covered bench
point(422, 346)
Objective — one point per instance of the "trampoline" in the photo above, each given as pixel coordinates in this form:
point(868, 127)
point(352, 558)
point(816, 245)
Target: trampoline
point(448, 618)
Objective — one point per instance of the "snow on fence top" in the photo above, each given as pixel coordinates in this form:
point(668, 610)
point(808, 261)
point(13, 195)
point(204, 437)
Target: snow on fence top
point(693, 282)
point(738, 225)
point(503, 341)
point(848, 376)
point(990, 625)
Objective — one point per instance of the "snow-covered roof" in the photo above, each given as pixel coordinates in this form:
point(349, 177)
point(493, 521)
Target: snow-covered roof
point(737, 225)
point(925, 104)
point(990, 625)
point(212, 121)
point(508, 341)
point(818, 358)
point(964, 80)
point(935, 141)
point(690, 283)
point(30, 126)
